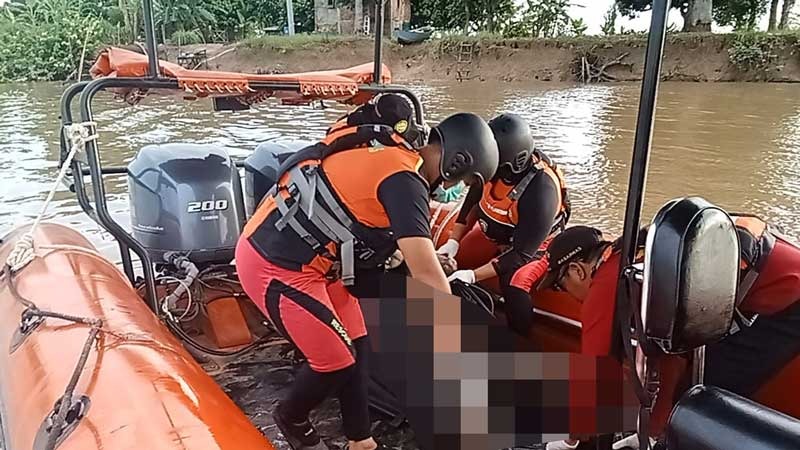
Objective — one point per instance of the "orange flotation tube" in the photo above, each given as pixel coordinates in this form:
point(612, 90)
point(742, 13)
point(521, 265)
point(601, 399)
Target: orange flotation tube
point(144, 390)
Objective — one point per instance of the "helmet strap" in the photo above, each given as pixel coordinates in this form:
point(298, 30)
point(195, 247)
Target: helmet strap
point(439, 180)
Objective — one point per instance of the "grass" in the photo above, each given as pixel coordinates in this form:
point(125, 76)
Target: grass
point(787, 35)
point(306, 41)
point(300, 41)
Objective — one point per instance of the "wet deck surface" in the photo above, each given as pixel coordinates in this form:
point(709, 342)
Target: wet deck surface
point(256, 381)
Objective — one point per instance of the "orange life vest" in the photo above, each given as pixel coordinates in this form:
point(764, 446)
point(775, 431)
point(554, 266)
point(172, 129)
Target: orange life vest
point(335, 210)
point(498, 215)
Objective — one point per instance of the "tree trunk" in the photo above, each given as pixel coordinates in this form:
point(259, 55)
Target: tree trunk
point(786, 13)
point(698, 16)
point(491, 16)
point(773, 15)
point(358, 18)
point(467, 18)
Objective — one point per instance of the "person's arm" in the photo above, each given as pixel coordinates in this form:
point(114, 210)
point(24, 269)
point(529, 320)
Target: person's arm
point(404, 197)
point(422, 262)
point(537, 210)
point(467, 216)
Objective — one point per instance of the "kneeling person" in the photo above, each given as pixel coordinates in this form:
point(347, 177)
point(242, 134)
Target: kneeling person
point(332, 213)
point(523, 205)
point(584, 264)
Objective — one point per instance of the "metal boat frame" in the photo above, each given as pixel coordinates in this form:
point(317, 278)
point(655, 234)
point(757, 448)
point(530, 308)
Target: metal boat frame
point(91, 165)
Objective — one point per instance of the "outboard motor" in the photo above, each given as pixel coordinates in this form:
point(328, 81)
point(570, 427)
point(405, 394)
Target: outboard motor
point(186, 198)
point(261, 169)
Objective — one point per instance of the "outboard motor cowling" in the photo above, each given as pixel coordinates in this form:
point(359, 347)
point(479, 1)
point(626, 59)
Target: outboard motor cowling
point(261, 169)
point(186, 198)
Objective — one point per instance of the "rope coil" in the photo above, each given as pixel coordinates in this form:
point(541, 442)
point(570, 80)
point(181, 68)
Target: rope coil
point(24, 251)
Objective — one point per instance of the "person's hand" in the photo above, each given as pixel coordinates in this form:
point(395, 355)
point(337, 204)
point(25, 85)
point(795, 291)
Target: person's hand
point(467, 276)
point(449, 249)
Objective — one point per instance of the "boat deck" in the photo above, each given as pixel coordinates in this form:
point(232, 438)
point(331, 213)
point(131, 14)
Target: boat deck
point(258, 379)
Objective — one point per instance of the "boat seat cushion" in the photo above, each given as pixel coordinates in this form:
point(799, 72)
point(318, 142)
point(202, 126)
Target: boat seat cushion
point(690, 275)
point(710, 418)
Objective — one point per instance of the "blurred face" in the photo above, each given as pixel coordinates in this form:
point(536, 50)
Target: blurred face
point(431, 158)
point(576, 279)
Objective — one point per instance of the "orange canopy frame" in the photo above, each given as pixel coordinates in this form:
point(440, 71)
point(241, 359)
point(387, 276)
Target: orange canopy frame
point(340, 85)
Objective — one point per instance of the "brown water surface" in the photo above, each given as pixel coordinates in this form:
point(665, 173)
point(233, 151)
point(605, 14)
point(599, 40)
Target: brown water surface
point(737, 144)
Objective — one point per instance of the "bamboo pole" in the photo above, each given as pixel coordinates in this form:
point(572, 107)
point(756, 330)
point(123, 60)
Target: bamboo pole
point(83, 52)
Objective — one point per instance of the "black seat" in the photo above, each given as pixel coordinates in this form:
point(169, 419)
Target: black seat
point(709, 418)
point(690, 275)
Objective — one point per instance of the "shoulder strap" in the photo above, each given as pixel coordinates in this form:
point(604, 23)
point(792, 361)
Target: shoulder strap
point(520, 187)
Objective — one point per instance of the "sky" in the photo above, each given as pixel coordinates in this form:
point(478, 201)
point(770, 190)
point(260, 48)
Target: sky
point(592, 12)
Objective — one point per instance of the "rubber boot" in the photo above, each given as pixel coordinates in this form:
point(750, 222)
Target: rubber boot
point(300, 436)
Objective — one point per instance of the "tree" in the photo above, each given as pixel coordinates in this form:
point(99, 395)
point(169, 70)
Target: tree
point(773, 15)
point(578, 26)
point(546, 18)
point(743, 15)
point(609, 26)
point(465, 15)
point(182, 15)
point(786, 13)
point(696, 13)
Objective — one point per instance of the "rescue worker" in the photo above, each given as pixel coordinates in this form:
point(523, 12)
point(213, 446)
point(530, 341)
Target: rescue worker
point(332, 214)
point(523, 205)
point(584, 264)
point(387, 109)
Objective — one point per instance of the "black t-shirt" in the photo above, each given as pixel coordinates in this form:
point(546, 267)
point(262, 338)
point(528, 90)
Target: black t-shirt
point(404, 197)
point(537, 209)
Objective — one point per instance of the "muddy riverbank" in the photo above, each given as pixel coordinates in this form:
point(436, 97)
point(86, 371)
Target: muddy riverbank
point(697, 57)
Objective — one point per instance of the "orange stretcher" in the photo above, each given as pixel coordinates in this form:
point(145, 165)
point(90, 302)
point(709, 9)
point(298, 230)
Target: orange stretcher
point(340, 85)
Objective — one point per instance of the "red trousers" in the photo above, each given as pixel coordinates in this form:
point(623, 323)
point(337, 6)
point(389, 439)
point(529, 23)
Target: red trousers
point(319, 317)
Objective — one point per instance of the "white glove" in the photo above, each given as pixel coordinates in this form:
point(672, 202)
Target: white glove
point(561, 445)
point(467, 276)
point(630, 442)
point(450, 248)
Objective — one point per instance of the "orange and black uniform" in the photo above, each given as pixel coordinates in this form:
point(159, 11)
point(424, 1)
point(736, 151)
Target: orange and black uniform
point(386, 199)
point(741, 362)
point(381, 190)
point(520, 220)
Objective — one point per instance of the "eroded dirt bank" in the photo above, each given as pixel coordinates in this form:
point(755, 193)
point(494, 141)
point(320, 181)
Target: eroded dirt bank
point(687, 57)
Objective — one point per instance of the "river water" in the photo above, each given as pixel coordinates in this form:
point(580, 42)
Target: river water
point(737, 145)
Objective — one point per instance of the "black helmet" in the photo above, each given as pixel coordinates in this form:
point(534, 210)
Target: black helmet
point(468, 148)
point(514, 142)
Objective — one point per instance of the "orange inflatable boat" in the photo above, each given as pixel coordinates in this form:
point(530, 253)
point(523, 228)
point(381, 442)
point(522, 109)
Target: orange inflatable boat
point(138, 389)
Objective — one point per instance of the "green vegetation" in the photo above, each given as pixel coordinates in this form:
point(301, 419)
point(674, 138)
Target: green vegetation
point(45, 39)
point(299, 41)
point(756, 52)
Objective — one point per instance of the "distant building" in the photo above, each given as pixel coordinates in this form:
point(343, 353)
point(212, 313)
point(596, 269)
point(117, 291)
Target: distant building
point(358, 16)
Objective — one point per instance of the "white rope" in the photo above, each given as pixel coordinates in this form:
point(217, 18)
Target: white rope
point(24, 252)
point(165, 307)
